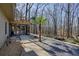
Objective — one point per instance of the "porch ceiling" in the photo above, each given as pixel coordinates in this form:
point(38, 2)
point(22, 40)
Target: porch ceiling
point(18, 22)
point(8, 10)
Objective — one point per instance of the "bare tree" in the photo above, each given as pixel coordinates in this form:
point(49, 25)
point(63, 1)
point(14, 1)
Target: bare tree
point(55, 20)
point(61, 22)
point(27, 17)
point(53, 15)
point(68, 20)
point(19, 10)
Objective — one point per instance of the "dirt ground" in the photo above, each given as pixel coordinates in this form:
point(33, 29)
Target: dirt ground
point(13, 49)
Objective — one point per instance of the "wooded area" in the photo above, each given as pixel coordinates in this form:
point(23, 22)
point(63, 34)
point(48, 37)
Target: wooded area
point(62, 18)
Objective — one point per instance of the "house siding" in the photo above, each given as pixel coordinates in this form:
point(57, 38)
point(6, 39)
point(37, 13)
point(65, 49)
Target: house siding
point(3, 36)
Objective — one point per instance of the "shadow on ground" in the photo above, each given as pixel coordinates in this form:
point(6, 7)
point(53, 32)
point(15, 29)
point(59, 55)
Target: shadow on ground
point(28, 52)
point(58, 49)
point(52, 47)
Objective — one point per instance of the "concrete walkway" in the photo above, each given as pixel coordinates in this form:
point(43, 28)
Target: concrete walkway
point(52, 47)
point(31, 49)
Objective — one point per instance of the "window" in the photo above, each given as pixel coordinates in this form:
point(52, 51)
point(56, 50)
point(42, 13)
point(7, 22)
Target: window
point(5, 27)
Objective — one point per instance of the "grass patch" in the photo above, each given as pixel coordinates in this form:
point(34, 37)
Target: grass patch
point(72, 40)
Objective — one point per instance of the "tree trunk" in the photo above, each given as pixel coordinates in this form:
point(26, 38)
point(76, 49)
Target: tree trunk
point(78, 26)
point(29, 21)
point(68, 21)
point(61, 24)
point(39, 32)
point(26, 18)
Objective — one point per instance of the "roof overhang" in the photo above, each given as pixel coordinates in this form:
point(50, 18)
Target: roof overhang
point(8, 10)
point(22, 22)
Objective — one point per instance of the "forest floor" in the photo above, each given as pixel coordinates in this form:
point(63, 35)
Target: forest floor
point(72, 40)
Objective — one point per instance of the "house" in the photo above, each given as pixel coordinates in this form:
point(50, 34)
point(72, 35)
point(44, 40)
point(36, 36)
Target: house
point(6, 16)
point(19, 26)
